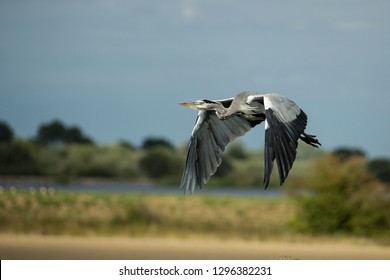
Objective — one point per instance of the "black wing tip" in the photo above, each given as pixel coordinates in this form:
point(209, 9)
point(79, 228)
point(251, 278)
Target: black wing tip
point(311, 140)
point(265, 183)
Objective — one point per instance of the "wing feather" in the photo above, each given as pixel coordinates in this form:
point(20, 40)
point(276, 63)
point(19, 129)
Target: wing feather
point(285, 122)
point(208, 140)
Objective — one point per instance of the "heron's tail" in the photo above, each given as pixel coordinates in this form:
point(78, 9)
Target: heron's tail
point(310, 139)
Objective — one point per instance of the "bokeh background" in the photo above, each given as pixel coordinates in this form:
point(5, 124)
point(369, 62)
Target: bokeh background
point(93, 141)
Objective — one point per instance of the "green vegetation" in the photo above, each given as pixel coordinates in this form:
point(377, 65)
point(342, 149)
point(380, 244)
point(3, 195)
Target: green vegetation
point(64, 213)
point(380, 168)
point(56, 132)
point(19, 158)
point(6, 133)
point(77, 161)
point(342, 197)
point(63, 153)
point(339, 193)
point(44, 212)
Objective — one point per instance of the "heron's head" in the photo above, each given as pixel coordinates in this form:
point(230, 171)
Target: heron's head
point(203, 104)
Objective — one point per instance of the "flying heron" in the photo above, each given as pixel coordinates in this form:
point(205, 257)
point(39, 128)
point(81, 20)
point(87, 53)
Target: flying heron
point(221, 121)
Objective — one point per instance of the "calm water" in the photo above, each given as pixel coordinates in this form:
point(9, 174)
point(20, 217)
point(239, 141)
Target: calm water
point(125, 187)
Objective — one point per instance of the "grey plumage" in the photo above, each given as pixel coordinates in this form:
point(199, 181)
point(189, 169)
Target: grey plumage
point(221, 121)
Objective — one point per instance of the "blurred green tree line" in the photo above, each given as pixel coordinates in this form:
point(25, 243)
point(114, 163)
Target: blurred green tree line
point(64, 152)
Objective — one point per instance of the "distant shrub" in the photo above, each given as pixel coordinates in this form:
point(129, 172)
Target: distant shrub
point(346, 153)
point(18, 158)
point(237, 150)
point(6, 133)
point(56, 132)
point(70, 161)
point(342, 197)
point(126, 144)
point(54, 162)
point(247, 174)
point(380, 168)
point(156, 142)
point(157, 163)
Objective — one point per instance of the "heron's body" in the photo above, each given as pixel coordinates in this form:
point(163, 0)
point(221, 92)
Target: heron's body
point(221, 121)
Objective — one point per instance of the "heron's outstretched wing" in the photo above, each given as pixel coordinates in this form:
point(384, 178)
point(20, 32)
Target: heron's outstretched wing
point(208, 140)
point(284, 124)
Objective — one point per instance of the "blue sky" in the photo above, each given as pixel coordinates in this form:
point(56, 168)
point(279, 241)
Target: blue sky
point(118, 69)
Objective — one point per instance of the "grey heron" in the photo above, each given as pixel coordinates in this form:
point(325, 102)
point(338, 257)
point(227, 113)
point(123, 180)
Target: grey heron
point(221, 121)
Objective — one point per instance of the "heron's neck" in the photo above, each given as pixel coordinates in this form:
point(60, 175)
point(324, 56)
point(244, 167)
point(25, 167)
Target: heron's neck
point(221, 111)
point(224, 113)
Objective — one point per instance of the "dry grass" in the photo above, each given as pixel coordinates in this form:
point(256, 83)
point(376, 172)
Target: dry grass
point(137, 214)
point(48, 225)
point(141, 215)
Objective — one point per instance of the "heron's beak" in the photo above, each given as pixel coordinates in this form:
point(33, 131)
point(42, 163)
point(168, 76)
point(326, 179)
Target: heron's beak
point(188, 104)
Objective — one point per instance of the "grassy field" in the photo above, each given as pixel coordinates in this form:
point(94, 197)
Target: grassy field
point(49, 225)
point(140, 215)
